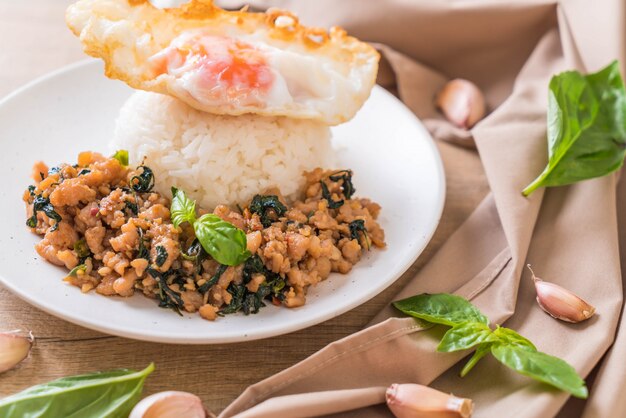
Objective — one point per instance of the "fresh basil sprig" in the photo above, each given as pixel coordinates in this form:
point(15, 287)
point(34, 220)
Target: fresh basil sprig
point(586, 127)
point(470, 329)
point(104, 394)
point(222, 240)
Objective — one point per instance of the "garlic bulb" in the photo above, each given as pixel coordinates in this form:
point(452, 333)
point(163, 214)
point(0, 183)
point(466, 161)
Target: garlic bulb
point(14, 348)
point(559, 302)
point(417, 401)
point(461, 102)
point(170, 404)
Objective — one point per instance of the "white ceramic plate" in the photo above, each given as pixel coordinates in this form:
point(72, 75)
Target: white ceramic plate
point(394, 159)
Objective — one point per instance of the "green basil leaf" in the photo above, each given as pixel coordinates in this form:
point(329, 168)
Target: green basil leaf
point(481, 351)
point(81, 248)
point(441, 308)
point(122, 157)
point(74, 272)
point(542, 367)
point(464, 336)
point(509, 337)
point(182, 209)
point(144, 181)
point(161, 255)
point(222, 240)
point(104, 394)
point(268, 207)
point(586, 127)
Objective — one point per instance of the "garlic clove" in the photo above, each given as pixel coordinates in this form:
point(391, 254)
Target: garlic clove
point(461, 102)
point(14, 348)
point(417, 401)
point(170, 404)
point(559, 302)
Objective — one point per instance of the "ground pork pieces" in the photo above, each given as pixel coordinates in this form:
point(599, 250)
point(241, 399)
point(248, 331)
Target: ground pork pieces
point(102, 221)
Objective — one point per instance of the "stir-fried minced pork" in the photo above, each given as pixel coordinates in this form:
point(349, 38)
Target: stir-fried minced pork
point(101, 220)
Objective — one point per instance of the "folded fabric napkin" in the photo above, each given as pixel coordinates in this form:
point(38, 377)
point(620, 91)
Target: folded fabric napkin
point(570, 234)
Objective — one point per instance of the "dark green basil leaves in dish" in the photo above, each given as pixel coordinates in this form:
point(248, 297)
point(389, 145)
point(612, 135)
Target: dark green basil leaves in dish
point(222, 240)
point(470, 329)
point(143, 182)
point(268, 207)
point(586, 127)
point(110, 394)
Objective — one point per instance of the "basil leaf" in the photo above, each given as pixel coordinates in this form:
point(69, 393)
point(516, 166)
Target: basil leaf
point(122, 157)
point(104, 394)
point(161, 255)
point(213, 280)
point(464, 336)
point(357, 228)
point(542, 367)
point(509, 337)
point(42, 204)
point(470, 328)
point(182, 209)
point(481, 351)
point(332, 204)
point(268, 207)
point(168, 297)
point(74, 272)
point(586, 127)
point(347, 187)
point(81, 248)
point(222, 240)
point(441, 308)
point(144, 182)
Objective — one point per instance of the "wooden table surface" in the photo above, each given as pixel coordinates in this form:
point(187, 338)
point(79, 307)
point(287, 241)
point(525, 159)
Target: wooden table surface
point(33, 41)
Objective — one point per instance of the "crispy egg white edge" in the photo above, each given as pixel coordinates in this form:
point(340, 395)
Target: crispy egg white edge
point(94, 21)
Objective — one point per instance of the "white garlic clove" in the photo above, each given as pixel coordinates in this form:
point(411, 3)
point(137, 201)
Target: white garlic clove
point(461, 102)
point(14, 348)
point(417, 401)
point(560, 303)
point(170, 404)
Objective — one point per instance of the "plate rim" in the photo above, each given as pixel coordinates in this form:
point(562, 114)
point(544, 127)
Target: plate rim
point(249, 336)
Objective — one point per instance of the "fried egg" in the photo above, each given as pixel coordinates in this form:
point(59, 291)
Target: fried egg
point(227, 62)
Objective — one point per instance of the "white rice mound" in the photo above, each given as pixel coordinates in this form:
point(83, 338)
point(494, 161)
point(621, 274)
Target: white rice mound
point(219, 159)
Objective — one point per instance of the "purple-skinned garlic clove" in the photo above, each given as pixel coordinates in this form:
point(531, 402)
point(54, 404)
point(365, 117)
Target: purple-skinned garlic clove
point(461, 102)
point(416, 401)
point(561, 303)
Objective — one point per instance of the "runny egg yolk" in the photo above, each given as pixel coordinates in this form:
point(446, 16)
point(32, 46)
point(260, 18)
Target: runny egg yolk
point(217, 69)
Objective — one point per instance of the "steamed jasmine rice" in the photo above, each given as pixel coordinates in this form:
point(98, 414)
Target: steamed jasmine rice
point(219, 159)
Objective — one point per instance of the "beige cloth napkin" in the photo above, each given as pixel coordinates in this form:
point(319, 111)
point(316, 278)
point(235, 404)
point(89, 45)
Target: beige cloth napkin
point(570, 234)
